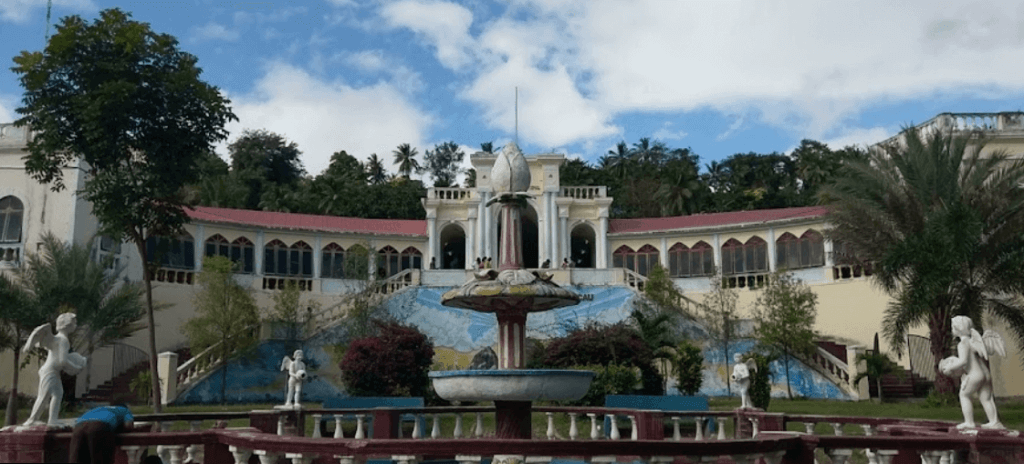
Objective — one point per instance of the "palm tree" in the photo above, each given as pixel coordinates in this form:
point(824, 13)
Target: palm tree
point(375, 170)
point(877, 365)
point(487, 147)
point(944, 228)
point(405, 158)
point(618, 159)
point(679, 189)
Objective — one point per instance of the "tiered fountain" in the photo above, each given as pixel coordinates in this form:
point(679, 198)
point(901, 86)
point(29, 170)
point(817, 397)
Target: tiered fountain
point(511, 293)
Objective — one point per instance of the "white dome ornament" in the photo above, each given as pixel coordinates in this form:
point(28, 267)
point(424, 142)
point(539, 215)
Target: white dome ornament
point(511, 174)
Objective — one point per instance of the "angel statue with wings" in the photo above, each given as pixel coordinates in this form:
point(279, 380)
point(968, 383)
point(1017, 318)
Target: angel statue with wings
point(58, 358)
point(741, 373)
point(296, 375)
point(975, 377)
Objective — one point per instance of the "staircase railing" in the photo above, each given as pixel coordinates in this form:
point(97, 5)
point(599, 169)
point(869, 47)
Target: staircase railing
point(634, 279)
point(833, 368)
point(125, 357)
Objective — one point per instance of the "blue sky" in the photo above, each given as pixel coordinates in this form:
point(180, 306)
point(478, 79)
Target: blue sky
point(720, 77)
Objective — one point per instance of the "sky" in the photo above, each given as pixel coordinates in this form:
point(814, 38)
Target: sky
point(719, 77)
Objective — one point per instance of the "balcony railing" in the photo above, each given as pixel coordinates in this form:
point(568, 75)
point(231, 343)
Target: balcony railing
point(10, 255)
point(14, 136)
point(448, 193)
point(647, 436)
point(958, 122)
point(585, 193)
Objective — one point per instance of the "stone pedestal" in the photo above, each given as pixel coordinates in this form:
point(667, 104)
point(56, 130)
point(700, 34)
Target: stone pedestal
point(512, 419)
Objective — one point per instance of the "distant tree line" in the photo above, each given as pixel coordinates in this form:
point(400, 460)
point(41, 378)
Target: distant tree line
point(648, 179)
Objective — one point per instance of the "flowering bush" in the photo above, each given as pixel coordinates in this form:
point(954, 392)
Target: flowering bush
point(393, 363)
point(605, 345)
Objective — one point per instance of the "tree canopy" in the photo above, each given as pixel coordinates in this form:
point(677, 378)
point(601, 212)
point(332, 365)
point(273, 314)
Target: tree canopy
point(444, 163)
point(127, 106)
point(785, 313)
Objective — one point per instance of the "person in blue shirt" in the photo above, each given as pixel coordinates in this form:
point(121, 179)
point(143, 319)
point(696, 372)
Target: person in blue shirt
point(92, 440)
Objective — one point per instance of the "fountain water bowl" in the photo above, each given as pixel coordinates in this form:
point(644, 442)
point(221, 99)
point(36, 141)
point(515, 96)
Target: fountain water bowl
point(512, 384)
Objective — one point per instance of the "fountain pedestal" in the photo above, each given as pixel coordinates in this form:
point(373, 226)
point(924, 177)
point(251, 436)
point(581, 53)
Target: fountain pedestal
point(511, 293)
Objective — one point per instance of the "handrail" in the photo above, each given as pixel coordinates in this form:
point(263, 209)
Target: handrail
point(125, 357)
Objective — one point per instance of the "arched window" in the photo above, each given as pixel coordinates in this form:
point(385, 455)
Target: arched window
point(239, 252)
point(412, 258)
point(640, 261)
point(173, 253)
point(332, 265)
point(389, 261)
point(691, 262)
point(744, 258)
point(795, 253)
point(294, 261)
point(11, 213)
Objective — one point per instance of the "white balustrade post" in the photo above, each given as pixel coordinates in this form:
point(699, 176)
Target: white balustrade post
point(574, 431)
point(773, 457)
point(301, 458)
point(195, 452)
point(809, 427)
point(840, 456)
point(869, 430)
point(241, 455)
point(838, 428)
point(338, 431)
point(614, 428)
point(754, 423)
point(721, 428)
point(700, 428)
point(551, 425)
point(417, 432)
point(885, 456)
point(280, 424)
point(404, 459)
point(267, 457)
point(479, 431)
point(316, 425)
point(360, 430)
point(164, 451)
point(176, 452)
point(457, 433)
point(133, 453)
point(676, 434)
point(345, 459)
point(635, 433)
point(930, 457)
point(594, 435)
point(468, 459)
point(435, 432)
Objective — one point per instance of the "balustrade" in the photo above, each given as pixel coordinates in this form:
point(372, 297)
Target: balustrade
point(585, 192)
point(449, 193)
point(10, 255)
point(174, 276)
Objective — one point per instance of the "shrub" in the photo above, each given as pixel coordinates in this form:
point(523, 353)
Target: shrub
point(605, 345)
point(23, 401)
point(689, 363)
point(612, 379)
point(393, 363)
point(760, 381)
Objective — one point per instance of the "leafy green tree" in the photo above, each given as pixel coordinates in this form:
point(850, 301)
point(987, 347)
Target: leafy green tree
point(375, 170)
point(785, 313)
point(760, 381)
point(226, 314)
point(470, 178)
point(487, 147)
point(942, 226)
point(405, 158)
point(129, 104)
point(260, 159)
point(619, 160)
point(680, 191)
point(721, 320)
point(18, 316)
point(293, 312)
point(877, 364)
point(444, 163)
point(576, 172)
point(689, 364)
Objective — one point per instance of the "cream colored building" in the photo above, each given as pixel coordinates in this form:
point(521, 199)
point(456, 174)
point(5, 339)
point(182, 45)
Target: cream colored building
point(561, 223)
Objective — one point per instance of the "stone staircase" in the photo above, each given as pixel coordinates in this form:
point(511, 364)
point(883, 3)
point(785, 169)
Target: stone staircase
point(117, 389)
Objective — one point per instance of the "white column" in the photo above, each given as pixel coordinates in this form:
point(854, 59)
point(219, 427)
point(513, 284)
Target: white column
point(829, 261)
point(486, 227)
point(470, 244)
point(563, 235)
point(431, 244)
point(258, 253)
point(663, 253)
point(317, 258)
point(200, 247)
point(718, 253)
point(542, 228)
point(555, 239)
point(371, 260)
point(602, 244)
point(771, 249)
point(479, 246)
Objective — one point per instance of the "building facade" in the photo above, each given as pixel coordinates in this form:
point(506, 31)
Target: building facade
point(331, 256)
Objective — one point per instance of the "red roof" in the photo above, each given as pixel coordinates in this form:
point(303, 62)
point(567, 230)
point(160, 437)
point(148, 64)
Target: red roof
point(274, 220)
point(625, 226)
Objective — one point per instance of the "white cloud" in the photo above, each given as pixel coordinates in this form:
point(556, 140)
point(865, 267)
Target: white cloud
point(7, 105)
point(860, 137)
point(666, 132)
point(374, 62)
point(214, 31)
point(806, 66)
point(19, 11)
point(444, 25)
point(324, 117)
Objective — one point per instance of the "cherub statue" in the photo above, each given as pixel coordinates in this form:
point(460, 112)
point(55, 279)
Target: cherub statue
point(741, 375)
point(296, 375)
point(975, 376)
point(58, 358)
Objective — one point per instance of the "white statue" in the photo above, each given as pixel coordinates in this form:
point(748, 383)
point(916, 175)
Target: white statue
point(58, 358)
point(741, 376)
point(975, 377)
point(296, 375)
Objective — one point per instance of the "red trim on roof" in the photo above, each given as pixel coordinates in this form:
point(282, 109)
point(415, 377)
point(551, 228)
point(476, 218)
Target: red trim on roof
point(625, 226)
point(244, 217)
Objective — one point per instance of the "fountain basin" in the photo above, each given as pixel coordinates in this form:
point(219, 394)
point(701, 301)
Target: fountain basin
point(511, 384)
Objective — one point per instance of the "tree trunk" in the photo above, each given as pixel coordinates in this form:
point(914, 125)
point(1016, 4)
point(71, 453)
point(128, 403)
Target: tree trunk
point(789, 389)
point(12, 399)
point(878, 385)
point(147, 277)
point(728, 375)
point(940, 333)
point(224, 382)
